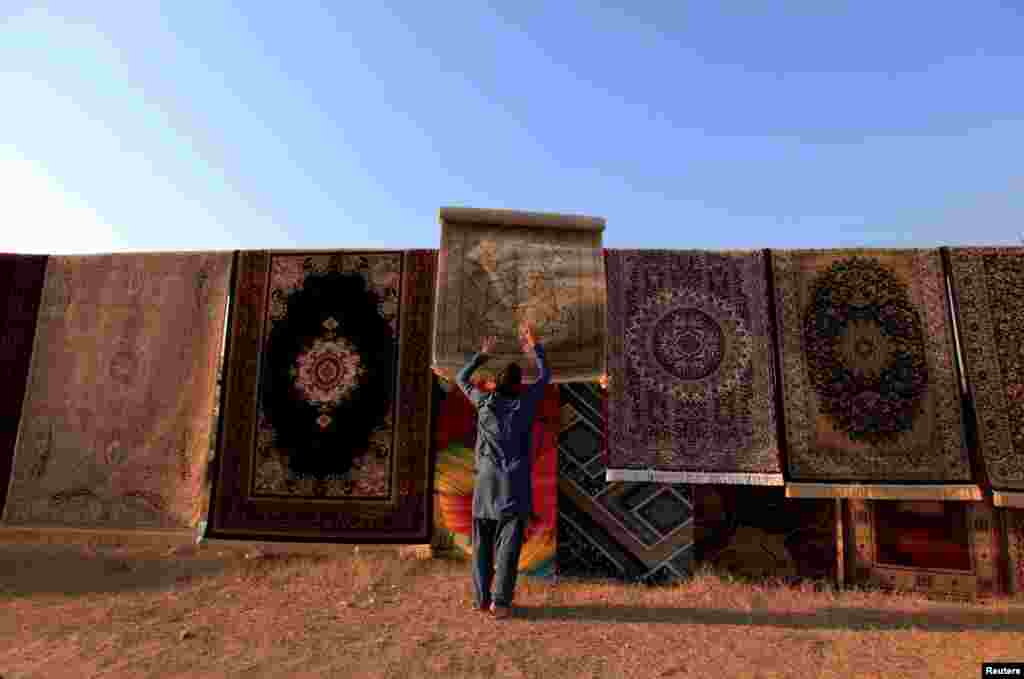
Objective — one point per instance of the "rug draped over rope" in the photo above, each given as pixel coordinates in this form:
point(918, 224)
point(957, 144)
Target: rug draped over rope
point(628, 531)
point(867, 364)
point(692, 368)
point(115, 430)
point(326, 425)
point(988, 287)
point(498, 269)
point(21, 286)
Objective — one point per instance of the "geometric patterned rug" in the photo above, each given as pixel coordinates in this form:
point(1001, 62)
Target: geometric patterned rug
point(987, 287)
point(327, 389)
point(455, 431)
point(499, 268)
point(868, 373)
point(21, 286)
point(692, 393)
point(621, 530)
point(115, 430)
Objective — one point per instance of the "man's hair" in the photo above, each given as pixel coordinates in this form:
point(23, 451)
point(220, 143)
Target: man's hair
point(509, 378)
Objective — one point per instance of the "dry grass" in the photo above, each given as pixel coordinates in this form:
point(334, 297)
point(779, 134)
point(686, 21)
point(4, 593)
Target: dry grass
point(211, 612)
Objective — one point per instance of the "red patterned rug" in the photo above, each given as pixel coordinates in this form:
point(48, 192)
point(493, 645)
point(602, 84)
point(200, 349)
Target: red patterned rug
point(326, 418)
point(1014, 520)
point(115, 430)
point(21, 282)
point(884, 552)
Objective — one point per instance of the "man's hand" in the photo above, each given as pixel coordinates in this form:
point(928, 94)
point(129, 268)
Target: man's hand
point(605, 380)
point(529, 338)
point(487, 346)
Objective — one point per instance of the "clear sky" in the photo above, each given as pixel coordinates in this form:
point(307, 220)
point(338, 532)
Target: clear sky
point(722, 124)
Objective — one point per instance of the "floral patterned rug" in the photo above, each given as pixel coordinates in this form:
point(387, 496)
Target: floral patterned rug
point(21, 283)
point(692, 368)
point(867, 368)
point(515, 267)
point(987, 286)
point(118, 414)
point(327, 403)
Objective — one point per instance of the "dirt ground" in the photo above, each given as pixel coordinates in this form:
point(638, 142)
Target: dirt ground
point(108, 611)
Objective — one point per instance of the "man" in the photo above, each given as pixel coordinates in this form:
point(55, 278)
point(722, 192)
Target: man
point(503, 496)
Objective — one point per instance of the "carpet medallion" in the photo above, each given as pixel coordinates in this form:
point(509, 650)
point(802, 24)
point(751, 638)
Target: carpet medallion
point(116, 426)
point(327, 398)
point(987, 286)
point(627, 531)
point(21, 283)
point(692, 368)
point(869, 383)
point(498, 269)
point(455, 476)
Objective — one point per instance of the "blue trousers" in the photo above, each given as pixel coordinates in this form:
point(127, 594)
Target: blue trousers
point(496, 547)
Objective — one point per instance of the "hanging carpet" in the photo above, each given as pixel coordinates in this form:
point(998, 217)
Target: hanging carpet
point(886, 553)
point(115, 430)
point(867, 365)
point(626, 531)
point(21, 284)
point(498, 269)
point(692, 368)
point(988, 287)
point(326, 416)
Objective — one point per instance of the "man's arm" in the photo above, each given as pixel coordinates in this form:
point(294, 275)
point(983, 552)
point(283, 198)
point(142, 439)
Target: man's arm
point(462, 378)
point(536, 390)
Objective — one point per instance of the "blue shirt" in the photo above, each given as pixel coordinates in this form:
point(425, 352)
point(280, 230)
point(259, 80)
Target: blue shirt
point(504, 470)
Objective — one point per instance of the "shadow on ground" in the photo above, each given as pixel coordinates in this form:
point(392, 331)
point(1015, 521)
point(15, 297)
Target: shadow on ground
point(941, 620)
point(27, 571)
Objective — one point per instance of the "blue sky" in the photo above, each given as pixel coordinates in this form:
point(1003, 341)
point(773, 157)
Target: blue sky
point(210, 125)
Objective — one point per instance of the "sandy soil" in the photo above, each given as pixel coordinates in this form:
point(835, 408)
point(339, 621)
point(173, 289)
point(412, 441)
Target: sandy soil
point(107, 611)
